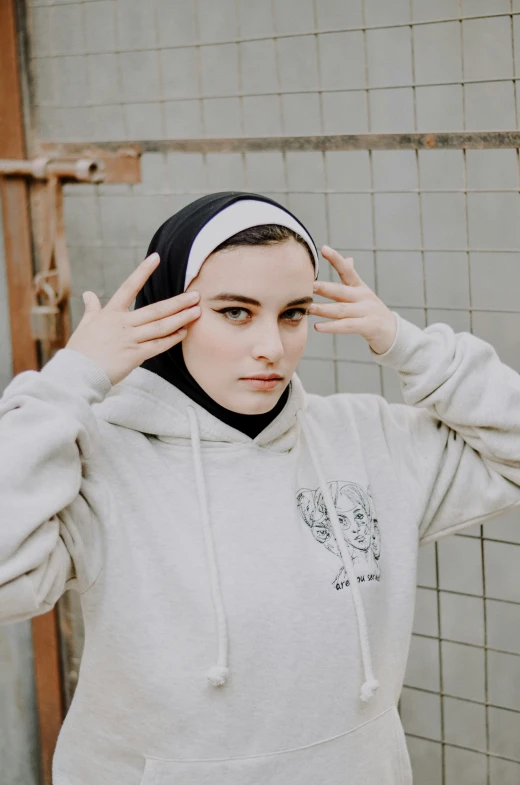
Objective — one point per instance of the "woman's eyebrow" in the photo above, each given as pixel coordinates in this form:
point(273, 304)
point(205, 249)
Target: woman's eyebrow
point(241, 298)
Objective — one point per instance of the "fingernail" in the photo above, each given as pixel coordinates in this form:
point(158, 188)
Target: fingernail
point(154, 257)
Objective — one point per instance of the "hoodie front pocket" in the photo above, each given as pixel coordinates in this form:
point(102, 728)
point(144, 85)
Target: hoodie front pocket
point(366, 755)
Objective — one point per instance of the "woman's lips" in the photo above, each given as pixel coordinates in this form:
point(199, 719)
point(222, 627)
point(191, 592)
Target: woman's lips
point(262, 384)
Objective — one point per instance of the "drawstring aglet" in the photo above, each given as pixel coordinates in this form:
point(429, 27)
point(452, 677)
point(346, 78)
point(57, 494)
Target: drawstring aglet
point(368, 689)
point(217, 675)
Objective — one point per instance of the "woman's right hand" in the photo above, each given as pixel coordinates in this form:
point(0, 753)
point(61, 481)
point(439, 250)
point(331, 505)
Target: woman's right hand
point(119, 340)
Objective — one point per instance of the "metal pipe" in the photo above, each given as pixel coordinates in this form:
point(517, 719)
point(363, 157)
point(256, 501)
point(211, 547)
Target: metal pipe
point(83, 169)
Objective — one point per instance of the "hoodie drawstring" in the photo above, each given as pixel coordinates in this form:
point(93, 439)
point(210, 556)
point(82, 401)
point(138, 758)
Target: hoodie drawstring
point(218, 673)
point(371, 684)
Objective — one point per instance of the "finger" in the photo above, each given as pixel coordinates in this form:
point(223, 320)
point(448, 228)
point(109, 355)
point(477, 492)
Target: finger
point(164, 327)
point(129, 289)
point(344, 266)
point(91, 301)
point(342, 326)
point(163, 308)
point(337, 291)
point(159, 345)
point(336, 310)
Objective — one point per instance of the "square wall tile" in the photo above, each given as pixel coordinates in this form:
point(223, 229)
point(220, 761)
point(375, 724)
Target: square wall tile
point(426, 760)
point(389, 54)
point(400, 278)
point(46, 81)
point(463, 671)
point(426, 566)
point(490, 106)
point(225, 171)
point(426, 11)
point(447, 279)
point(342, 60)
point(183, 119)
point(66, 30)
point(265, 171)
point(298, 63)
point(502, 331)
point(100, 26)
point(492, 169)
point(394, 170)
point(71, 81)
point(153, 174)
point(462, 618)
point(294, 16)
point(317, 376)
point(40, 27)
point(397, 221)
point(460, 564)
point(135, 25)
point(487, 48)
point(506, 527)
point(345, 113)
point(350, 221)
point(464, 723)
point(219, 66)
point(348, 170)
point(187, 172)
point(81, 219)
point(180, 72)
point(426, 620)
point(217, 21)
point(301, 114)
point(392, 389)
point(482, 7)
point(117, 266)
point(117, 220)
point(305, 171)
point(222, 116)
point(391, 111)
point(460, 321)
point(253, 19)
point(504, 733)
point(358, 377)
point(176, 22)
point(502, 570)
point(503, 772)
point(320, 346)
point(444, 221)
point(87, 271)
point(333, 15)
point(421, 713)
point(437, 53)
point(311, 210)
point(441, 170)
point(494, 221)
point(140, 76)
point(103, 79)
point(381, 12)
point(504, 680)
point(353, 347)
point(439, 108)
point(262, 115)
point(150, 212)
point(423, 667)
point(144, 121)
point(495, 281)
point(258, 67)
point(464, 767)
point(414, 315)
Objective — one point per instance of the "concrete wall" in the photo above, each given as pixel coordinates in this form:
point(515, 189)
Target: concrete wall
point(435, 233)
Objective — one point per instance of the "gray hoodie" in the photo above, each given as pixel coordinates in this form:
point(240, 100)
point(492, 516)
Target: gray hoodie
point(248, 604)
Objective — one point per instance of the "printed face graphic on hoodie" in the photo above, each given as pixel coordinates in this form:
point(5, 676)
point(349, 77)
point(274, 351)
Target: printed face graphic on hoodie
point(360, 529)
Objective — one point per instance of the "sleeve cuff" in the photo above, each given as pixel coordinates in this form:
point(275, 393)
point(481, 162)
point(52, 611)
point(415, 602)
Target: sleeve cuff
point(79, 373)
point(407, 337)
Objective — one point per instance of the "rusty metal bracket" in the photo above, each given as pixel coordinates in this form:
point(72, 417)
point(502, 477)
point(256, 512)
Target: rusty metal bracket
point(50, 322)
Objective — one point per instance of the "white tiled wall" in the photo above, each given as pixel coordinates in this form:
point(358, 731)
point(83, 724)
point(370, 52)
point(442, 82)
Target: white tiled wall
point(435, 233)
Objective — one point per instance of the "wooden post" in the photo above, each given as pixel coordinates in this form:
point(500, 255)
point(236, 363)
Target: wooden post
point(19, 267)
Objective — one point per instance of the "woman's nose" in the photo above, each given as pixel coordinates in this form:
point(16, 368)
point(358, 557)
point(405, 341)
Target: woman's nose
point(269, 346)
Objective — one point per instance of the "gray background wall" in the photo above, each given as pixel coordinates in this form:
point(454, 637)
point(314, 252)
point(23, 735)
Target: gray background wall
point(435, 233)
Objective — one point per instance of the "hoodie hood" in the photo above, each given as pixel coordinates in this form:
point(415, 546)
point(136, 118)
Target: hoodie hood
point(147, 403)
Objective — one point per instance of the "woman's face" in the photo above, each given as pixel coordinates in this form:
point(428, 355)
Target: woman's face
point(253, 300)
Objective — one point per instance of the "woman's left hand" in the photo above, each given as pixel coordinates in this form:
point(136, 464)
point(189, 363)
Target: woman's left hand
point(357, 308)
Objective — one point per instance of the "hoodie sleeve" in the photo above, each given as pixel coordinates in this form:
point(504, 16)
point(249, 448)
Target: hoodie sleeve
point(48, 433)
point(456, 440)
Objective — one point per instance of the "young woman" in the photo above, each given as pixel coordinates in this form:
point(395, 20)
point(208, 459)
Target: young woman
point(245, 552)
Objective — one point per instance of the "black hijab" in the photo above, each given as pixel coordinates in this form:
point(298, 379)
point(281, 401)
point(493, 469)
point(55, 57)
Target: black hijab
point(173, 242)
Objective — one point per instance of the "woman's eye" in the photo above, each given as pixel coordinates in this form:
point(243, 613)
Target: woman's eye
point(232, 313)
point(298, 313)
